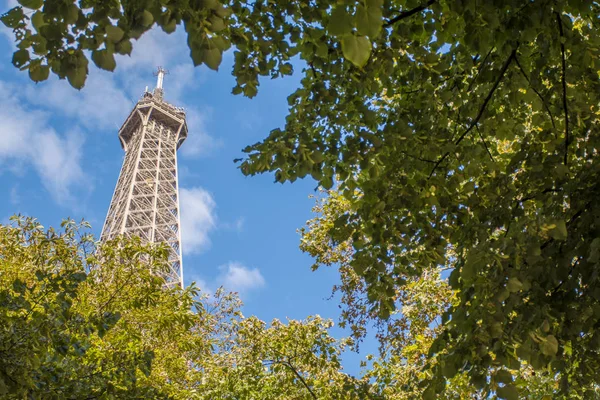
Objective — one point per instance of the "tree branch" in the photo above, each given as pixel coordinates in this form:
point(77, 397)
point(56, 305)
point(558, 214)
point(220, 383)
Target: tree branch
point(564, 85)
point(481, 110)
point(485, 144)
point(479, 69)
point(416, 157)
point(536, 92)
point(408, 13)
point(291, 367)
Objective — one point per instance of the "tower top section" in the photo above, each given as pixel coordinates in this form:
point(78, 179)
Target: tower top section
point(151, 108)
point(160, 77)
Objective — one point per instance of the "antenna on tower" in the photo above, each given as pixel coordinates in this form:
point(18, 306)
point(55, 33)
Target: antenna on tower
point(160, 74)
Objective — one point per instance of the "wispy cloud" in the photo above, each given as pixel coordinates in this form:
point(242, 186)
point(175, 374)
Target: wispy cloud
point(102, 104)
point(237, 277)
point(236, 226)
point(198, 219)
point(233, 277)
point(26, 139)
point(15, 199)
point(199, 142)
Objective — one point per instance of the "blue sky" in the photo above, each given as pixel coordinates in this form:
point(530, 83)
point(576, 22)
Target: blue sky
point(60, 157)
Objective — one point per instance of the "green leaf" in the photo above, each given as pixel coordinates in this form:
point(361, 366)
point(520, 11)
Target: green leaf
point(559, 231)
point(594, 254)
point(286, 69)
point(20, 58)
point(221, 43)
point(76, 75)
point(327, 182)
point(503, 376)
point(124, 47)
point(508, 392)
point(356, 49)
point(114, 33)
point(212, 58)
point(549, 345)
point(340, 22)
point(33, 4)
point(250, 90)
point(514, 285)
point(147, 19)
point(170, 26)
point(72, 14)
point(369, 20)
point(104, 59)
point(216, 24)
point(39, 73)
point(13, 18)
point(37, 20)
point(545, 326)
point(322, 49)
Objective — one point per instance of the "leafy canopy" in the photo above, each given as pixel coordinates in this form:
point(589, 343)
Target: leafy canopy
point(464, 134)
point(79, 320)
point(405, 338)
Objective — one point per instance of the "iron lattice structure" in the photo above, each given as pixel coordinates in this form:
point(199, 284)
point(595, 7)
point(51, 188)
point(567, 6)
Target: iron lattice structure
point(145, 202)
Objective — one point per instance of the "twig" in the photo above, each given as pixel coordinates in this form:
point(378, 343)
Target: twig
point(408, 13)
point(536, 92)
point(485, 144)
point(416, 157)
point(301, 380)
point(481, 110)
point(564, 85)
point(479, 69)
point(291, 367)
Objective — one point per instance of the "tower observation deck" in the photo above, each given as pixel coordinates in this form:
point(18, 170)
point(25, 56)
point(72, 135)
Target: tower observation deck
point(145, 202)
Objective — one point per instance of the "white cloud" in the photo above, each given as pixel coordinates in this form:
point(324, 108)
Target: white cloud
point(198, 142)
point(107, 98)
point(27, 140)
point(15, 199)
point(198, 219)
point(156, 48)
point(100, 104)
point(239, 278)
point(232, 277)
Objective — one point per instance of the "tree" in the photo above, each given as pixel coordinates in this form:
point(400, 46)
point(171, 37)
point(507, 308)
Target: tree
point(79, 320)
point(406, 336)
point(463, 133)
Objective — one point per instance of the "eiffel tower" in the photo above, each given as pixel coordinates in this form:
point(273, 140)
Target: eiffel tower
point(145, 202)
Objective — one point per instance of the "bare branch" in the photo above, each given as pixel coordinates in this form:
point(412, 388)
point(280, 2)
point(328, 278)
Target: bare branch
point(408, 13)
point(481, 110)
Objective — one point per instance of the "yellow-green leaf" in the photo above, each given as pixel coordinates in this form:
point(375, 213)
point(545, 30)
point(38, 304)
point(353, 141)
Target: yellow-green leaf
point(147, 19)
point(559, 231)
point(356, 49)
point(340, 22)
point(549, 346)
point(514, 285)
point(369, 20)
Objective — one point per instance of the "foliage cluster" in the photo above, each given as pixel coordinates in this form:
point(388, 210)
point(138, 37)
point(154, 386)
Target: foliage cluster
point(464, 134)
point(81, 320)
